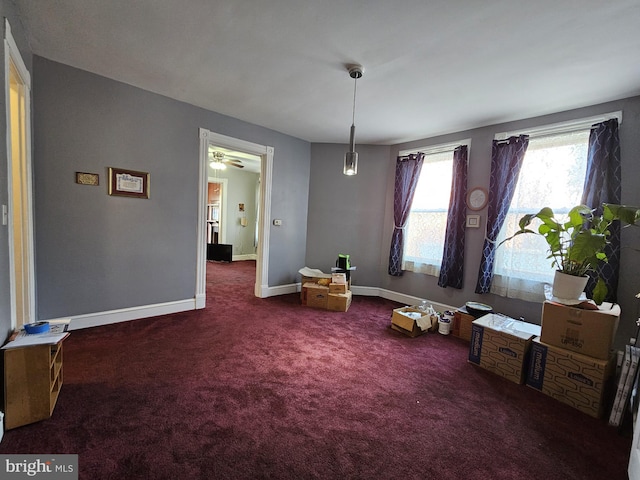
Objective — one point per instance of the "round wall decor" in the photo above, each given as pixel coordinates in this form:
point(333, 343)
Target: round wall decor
point(477, 198)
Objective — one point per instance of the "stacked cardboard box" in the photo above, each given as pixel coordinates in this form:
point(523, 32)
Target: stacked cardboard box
point(589, 332)
point(501, 345)
point(572, 360)
point(330, 293)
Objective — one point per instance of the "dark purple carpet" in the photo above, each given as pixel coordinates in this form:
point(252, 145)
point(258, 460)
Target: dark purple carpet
point(254, 388)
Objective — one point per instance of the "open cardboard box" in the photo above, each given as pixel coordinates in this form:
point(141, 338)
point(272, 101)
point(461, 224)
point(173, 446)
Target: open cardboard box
point(412, 322)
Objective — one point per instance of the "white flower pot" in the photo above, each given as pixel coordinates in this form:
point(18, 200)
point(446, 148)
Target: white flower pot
point(568, 287)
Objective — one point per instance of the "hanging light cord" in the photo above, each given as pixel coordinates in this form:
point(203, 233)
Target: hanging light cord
point(355, 85)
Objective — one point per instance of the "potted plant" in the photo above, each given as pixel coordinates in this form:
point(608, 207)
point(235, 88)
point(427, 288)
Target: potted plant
point(577, 245)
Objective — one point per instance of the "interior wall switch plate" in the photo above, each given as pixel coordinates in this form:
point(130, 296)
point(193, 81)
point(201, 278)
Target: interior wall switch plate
point(277, 222)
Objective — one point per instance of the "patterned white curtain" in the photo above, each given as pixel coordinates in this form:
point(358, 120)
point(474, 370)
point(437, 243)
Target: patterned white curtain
point(552, 175)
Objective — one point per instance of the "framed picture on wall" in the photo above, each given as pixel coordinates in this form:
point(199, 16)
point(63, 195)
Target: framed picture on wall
point(128, 183)
point(473, 221)
point(83, 178)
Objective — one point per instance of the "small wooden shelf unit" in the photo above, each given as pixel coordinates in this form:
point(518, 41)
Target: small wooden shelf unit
point(32, 380)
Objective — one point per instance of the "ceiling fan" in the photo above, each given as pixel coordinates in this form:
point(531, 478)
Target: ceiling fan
point(219, 161)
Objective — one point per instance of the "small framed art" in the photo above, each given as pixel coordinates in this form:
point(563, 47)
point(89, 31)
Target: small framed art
point(128, 183)
point(83, 178)
point(473, 221)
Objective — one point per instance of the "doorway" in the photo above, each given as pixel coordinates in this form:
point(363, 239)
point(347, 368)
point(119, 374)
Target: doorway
point(19, 212)
point(216, 210)
point(265, 154)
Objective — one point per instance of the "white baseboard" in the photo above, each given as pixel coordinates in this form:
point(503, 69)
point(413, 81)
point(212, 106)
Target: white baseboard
point(145, 311)
point(400, 297)
point(411, 300)
point(245, 256)
point(201, 300)
point(280, 290)
point(365, 291)
point(395, 296)
point(133, 313)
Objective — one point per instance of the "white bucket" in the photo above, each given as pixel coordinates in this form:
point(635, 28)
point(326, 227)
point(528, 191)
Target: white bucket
point(444, 326)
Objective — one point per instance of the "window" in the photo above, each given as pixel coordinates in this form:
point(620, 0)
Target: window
point(552, 175)
point(425, 230)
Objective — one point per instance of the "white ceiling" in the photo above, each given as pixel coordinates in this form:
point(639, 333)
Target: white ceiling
point(431, 67)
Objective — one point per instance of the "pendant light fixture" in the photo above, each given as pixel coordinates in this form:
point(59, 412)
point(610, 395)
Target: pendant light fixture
point(351, 157)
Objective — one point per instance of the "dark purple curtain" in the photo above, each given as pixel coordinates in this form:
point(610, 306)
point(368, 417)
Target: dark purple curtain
point(602, 184)
point(407, 175)
point(452, 266)
point(506, 162)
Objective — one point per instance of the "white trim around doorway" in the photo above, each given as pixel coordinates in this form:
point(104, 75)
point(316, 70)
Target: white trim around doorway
point(25, 245)
point(266, 170)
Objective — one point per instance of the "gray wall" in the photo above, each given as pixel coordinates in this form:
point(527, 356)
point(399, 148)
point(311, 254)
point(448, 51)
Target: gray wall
point(346, 213)
point(479, 172)
point(7, 10)
point(97, 252)
point(355, 214)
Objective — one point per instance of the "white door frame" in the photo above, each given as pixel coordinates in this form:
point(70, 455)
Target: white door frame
point(266, 170)
point(12, 54)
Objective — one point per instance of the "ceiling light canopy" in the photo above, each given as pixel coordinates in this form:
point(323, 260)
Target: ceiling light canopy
point(351, 157)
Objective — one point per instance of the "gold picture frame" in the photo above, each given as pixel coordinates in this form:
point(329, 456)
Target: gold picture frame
point(84, 178)
point(128, 183)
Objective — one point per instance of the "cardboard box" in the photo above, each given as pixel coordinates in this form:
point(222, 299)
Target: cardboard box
point(407, 320)
point(338, 288)
point(501, 345)
point(326, 279)
point(339, 302)
point(306, 279)
point(589, 332)
point(580, 381)
point(462, 321)
point(339, 278)
point(314, 295)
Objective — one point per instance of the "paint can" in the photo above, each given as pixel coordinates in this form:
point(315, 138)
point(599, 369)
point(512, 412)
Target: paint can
point(444, 323)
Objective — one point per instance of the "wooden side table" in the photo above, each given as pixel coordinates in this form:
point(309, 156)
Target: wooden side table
point(32, 381)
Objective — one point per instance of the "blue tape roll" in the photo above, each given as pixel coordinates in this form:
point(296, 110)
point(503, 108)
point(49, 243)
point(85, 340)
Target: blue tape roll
point(38, 327)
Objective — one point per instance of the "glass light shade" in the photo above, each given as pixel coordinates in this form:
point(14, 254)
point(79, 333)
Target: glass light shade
point(218, 165)
point(350, 163)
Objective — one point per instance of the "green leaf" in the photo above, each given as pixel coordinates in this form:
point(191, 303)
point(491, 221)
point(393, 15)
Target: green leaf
point(577, 245)
point(627, 214)
point(578, 215)
point(600, 291)
point(586, 247)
